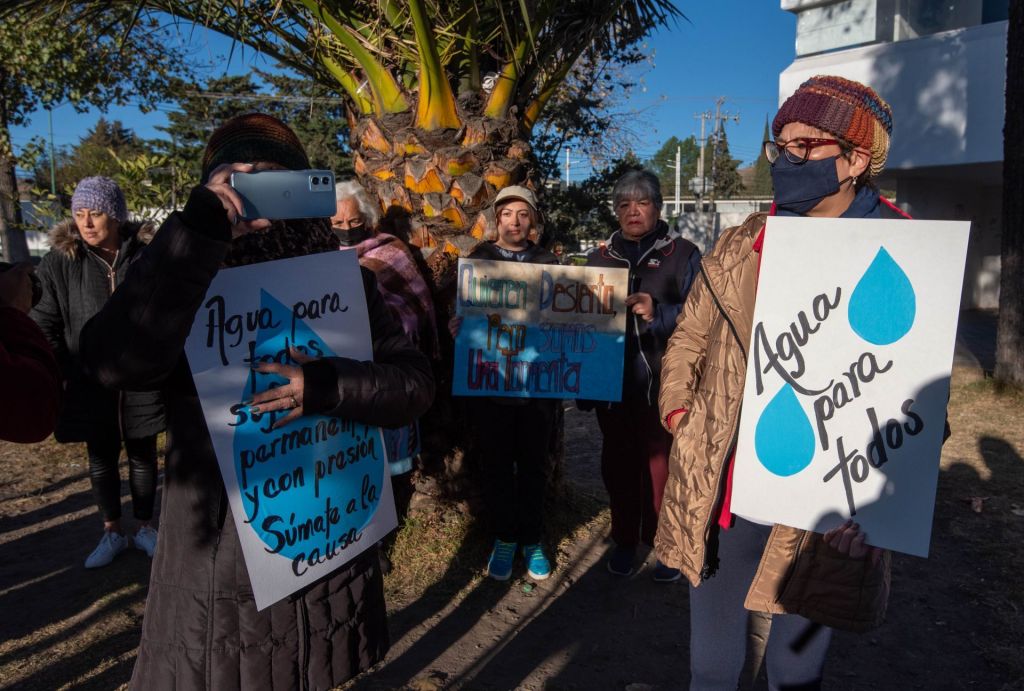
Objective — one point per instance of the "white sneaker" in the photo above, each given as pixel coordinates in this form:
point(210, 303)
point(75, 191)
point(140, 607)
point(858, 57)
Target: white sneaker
point(145, 540)
point(111, 544)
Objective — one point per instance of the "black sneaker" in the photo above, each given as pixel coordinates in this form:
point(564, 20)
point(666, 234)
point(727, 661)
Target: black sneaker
point(665, 574)
point(621, 562)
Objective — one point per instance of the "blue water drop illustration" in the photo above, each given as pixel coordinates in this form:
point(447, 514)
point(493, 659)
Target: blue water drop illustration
point(784, 438)
point(291, 466)
point(883, 305)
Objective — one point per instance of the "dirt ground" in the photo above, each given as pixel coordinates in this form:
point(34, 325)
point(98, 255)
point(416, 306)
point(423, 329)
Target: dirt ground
point(955, 619)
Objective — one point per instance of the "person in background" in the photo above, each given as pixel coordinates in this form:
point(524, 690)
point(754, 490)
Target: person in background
point(32, 379)
point(407, 295)
point(831, 139)
point(401, 284)
point(201, 628)
point(513, 433)
point(89, 258)
point(634, 453)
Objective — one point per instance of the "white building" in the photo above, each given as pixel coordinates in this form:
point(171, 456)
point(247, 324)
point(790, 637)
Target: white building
point(941, 64)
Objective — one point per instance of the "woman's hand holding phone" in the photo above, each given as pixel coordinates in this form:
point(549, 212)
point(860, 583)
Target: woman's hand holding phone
point(219, 183)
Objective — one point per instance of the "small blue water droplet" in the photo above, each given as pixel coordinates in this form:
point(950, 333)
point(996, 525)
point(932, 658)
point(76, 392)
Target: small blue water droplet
point(784, 438)
point(883, 305)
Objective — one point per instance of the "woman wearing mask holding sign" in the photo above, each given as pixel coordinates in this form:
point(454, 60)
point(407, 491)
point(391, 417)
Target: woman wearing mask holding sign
point(202, 628)
point(831, 139)
point(513, 433)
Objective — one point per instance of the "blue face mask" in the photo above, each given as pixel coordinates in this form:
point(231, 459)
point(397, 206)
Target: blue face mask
point(799, 187)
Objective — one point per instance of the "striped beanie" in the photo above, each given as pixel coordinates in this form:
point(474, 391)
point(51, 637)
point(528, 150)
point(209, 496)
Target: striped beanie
point(100, 193)
point(254, 137)
point(847, 109)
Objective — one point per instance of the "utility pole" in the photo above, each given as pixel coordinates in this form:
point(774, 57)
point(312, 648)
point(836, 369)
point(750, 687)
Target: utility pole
point(567, 151)
point(703, 117)
point(53, 165)
point(717, 133)
point(679, 154)
point(677, 167)
point(174, 174)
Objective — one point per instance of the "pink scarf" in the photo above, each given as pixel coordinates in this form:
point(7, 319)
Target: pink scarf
point(402, 287)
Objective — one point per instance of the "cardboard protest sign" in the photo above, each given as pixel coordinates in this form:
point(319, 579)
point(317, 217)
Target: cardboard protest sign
point(310, 496)
point(540, 330)
point(847, 383)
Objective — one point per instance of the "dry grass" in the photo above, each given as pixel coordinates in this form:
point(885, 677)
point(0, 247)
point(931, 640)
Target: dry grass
point(441, 545)
point(66, 628)
point(983, 471)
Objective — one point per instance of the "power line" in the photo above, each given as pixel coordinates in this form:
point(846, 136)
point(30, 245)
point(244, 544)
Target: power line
point(276, 98)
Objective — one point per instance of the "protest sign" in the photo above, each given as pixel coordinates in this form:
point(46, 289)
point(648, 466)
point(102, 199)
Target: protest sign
point(540, 330)
point(847, 382)
point(310, 496)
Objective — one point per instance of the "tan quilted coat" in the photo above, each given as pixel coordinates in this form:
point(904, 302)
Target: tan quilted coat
point(703, 372)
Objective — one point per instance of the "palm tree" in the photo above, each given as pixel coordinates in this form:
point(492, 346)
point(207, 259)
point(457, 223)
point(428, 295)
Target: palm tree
point(442, 95)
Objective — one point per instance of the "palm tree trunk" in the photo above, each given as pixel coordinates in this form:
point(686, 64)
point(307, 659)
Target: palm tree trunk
point(436, 189)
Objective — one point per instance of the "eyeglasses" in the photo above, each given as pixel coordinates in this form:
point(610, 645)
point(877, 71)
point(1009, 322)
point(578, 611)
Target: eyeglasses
point(797, 150)
point(348, 225)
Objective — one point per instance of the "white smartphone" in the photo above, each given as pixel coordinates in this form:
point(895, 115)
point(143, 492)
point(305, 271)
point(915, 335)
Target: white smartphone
point(283, 194)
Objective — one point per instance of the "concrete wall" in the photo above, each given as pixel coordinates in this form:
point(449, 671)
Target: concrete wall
point(946, 92)
point(930, 198)
point(947, 95)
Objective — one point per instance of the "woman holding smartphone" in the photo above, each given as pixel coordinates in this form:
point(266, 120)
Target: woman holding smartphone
point(202, 628)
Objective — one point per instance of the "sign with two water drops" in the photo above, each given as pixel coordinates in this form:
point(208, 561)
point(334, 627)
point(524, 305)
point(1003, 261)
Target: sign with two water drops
point(848, 370)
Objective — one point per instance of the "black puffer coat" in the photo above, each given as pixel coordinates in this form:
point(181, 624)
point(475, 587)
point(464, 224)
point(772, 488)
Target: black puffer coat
point(662, 264)
point(76, 283)
point(201, 628)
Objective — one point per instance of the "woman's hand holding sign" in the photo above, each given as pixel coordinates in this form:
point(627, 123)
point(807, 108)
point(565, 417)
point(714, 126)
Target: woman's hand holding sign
point(848, 539)
point(455, 326)
point(285, 397)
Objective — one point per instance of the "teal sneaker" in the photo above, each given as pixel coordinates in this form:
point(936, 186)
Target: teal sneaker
point(499, 567)
point(537, 565)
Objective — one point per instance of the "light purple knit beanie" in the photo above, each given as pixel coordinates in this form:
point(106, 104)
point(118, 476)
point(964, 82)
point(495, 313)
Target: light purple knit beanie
point(100, 193)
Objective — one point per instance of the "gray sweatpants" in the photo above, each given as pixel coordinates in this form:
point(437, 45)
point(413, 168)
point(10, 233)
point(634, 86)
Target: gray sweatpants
point(719, 622)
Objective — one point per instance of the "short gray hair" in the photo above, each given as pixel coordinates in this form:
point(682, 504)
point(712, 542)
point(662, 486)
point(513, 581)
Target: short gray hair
point(351, 189)
point(636, 185)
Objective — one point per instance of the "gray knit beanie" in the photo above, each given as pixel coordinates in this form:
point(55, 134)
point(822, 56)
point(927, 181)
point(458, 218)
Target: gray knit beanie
point(100, 194)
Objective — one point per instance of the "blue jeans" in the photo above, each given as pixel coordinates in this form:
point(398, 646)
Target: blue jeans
point(718, 624)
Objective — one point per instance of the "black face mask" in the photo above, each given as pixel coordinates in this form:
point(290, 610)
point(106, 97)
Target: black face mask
point(352, 236)
point(799, 187)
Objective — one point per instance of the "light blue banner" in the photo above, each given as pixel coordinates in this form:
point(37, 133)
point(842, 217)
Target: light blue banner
point(540, 331)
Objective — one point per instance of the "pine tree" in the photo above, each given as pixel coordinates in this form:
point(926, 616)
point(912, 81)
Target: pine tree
point(725, 175)
point(97, 152)
point(662, 162)
point(761, 185)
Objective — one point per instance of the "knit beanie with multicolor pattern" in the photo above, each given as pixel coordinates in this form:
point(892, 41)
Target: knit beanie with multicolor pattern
point(847, 109)
point(100, 193)
point(254, 137)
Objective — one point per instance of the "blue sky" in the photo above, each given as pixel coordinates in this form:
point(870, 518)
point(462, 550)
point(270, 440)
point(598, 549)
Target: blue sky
point(730, 48)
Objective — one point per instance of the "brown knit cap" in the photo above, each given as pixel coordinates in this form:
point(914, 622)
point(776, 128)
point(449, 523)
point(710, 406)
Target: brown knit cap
point(847, 109)
point(254, 137)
